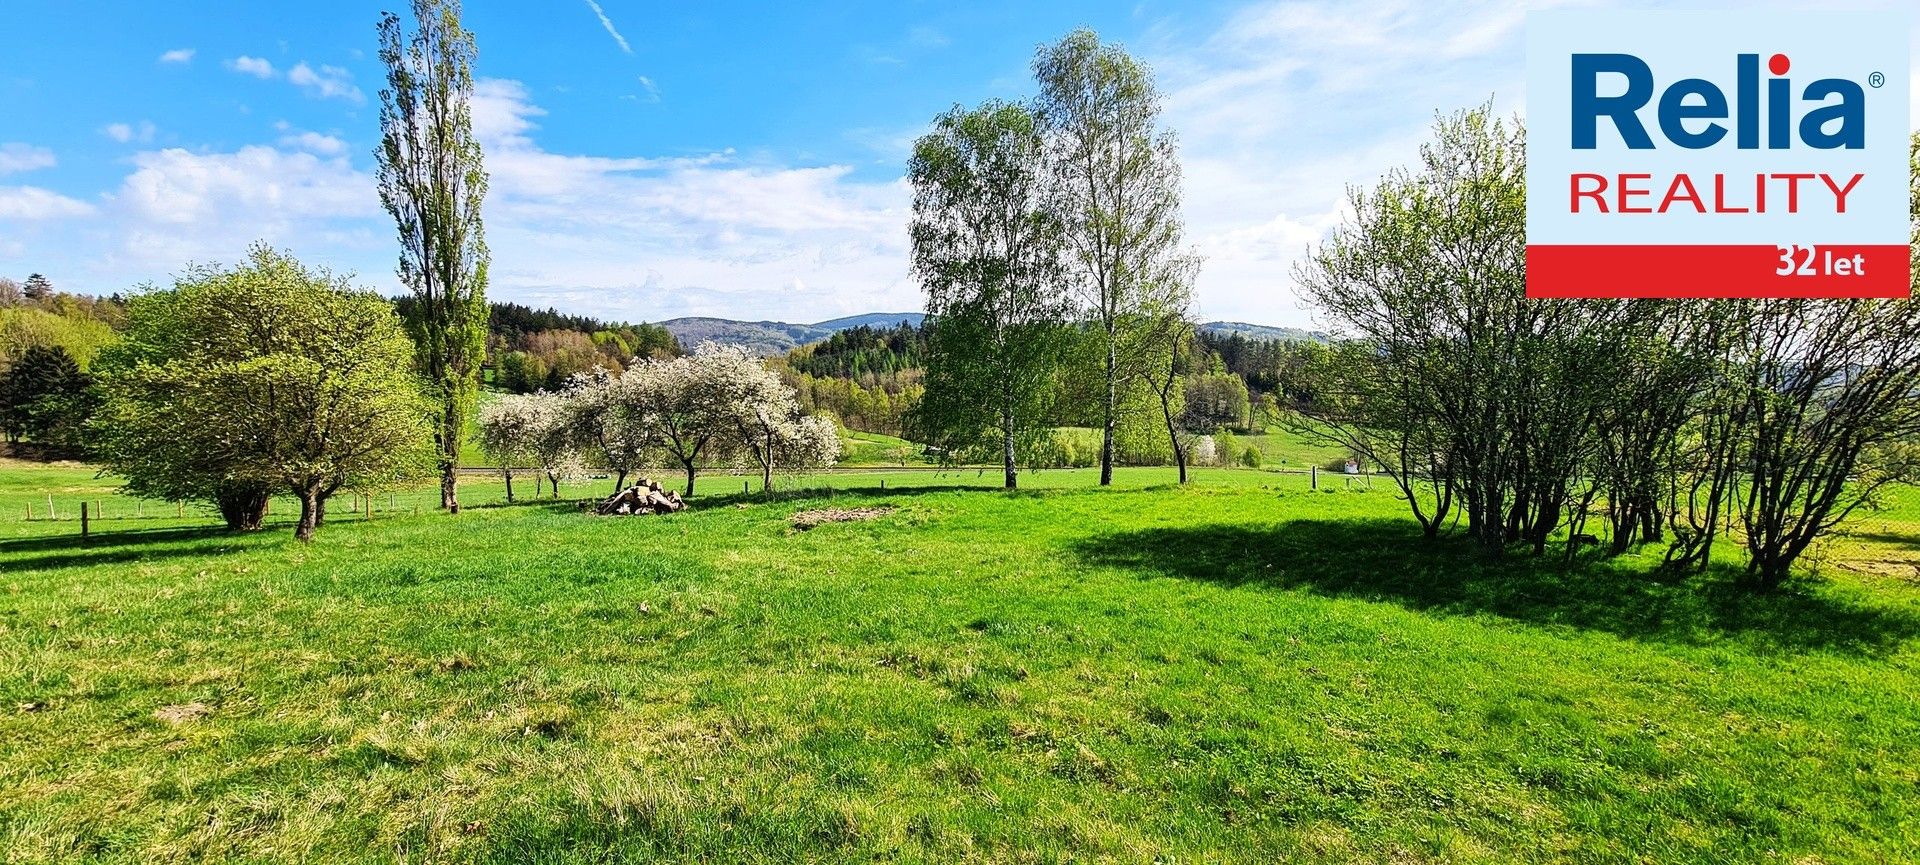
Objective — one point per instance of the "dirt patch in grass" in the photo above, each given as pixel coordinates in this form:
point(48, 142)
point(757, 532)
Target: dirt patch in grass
point(805, 520)
point(183, 713)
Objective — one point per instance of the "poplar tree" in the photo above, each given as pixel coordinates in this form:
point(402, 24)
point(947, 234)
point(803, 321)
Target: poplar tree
point(432, 182)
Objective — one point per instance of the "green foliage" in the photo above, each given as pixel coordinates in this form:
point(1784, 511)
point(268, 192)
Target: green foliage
point(79, 332)
point(1266, 366)
point(265, 376)
point(876, 405)
point(432, 182)
point(520, 372)
point(1213, 401)
point(1226, 447)
point(987, 241)
point(862, 351)
point(540, 349)
point(1065, 448)
point(46, 398)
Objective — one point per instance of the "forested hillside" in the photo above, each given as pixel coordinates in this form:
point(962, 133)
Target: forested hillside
point(873, 377)
point(530, 349)
point(869, 377)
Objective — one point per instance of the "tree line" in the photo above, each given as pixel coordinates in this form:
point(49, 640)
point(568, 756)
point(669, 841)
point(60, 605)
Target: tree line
point(1511, 420)
point(530, 350)
point(48, 340)
point(868, 377)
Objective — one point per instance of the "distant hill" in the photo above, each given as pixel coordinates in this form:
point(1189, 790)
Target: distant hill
point(873, 319)
point(778, 337)
point(1261, 332)
point(760, 337)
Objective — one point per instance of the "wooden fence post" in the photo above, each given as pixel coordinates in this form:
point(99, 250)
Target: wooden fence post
point(83, 521)
point(1315, 471)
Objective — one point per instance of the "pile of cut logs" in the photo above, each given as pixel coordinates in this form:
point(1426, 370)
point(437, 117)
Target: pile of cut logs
point(645, 497)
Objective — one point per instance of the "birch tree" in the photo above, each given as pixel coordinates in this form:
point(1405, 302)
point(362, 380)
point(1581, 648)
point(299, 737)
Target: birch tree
point(1120, 174)
point(986, 235)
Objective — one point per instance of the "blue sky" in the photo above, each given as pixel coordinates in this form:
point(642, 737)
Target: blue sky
point(652, 160)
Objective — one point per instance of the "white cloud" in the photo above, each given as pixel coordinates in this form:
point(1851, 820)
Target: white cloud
point(180, 187)
point(621, 236)
point(314, 142)
point(32, 204)
point(608, 23)
point(16, 157)
point(178, 55)
point(126, 133)
point(1289, 103)
point(652, 91)
point(329, 82)
point(254, 66)
point(653, 238)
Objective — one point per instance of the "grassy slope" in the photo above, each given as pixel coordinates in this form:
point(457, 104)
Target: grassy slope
point(1238, 671)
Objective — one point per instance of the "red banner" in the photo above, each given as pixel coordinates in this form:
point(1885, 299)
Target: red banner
point(1571, 270)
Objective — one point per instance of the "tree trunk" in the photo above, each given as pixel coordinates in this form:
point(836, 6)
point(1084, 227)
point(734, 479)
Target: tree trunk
point(244, 508)
point(509, 476)
point(553, 484)
point(309, 513)
point(449, 489)
point(689, 465)
point(1006, 453)
point(619, 480)
point(1173, 430)
point(1106, 439)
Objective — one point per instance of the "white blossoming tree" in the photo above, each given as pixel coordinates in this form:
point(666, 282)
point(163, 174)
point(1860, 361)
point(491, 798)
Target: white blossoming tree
point(776, 436)
point(507, 427)
point(550, 440)
point(691, 406)
point(719, 403)
point(606, 421)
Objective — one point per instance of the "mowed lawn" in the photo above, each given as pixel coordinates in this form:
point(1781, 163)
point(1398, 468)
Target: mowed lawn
point(1239, 671)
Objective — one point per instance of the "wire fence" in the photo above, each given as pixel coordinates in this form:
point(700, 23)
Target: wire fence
point(1880, 541)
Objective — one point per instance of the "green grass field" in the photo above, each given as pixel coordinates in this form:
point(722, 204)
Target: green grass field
point(1238, 671)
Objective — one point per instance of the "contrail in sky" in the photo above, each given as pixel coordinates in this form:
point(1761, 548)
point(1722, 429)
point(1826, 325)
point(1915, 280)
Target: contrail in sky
point(608, 23)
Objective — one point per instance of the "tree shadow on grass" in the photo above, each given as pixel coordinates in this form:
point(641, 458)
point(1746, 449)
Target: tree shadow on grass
point(1892, 539)
point(1388, 560)
point(52, 552)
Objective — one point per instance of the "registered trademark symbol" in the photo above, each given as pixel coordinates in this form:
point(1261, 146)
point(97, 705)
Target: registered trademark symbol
point(1876, 80)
